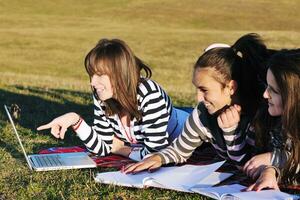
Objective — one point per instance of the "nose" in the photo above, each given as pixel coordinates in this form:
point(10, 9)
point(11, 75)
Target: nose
point(266, 94)
point(95, 81)
point(200, 96)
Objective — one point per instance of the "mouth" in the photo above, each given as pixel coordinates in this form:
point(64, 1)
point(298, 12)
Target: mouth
point(100, 90)
point(208, 105)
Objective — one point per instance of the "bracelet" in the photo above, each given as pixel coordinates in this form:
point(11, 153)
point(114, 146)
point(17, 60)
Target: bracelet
point(76, 125)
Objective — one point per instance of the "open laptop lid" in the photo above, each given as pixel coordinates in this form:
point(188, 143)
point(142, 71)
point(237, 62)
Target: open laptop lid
point(16, 132)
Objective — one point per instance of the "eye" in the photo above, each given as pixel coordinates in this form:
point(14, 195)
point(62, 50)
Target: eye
point(203, 90)
point(271, 90)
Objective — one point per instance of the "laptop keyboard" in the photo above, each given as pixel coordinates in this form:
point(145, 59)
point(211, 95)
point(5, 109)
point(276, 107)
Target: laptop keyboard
point(48, 160)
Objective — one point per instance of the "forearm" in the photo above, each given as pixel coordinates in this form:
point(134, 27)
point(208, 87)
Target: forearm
point(92, 141)
point(272, 170)
point(181, 149)
point(192, 136)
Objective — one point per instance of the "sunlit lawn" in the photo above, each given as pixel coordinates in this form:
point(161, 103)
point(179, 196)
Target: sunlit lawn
point(43, 44)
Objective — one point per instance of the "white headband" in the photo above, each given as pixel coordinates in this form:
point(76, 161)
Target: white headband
point(216, 45)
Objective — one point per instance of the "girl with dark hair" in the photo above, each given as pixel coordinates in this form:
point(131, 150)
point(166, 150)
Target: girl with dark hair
point(133, 115)
point(277, 129)
point(229, 82)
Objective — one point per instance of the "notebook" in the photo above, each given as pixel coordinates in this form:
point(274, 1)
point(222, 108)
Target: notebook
point(180, 178)
point(47, 162)
point(234, 192)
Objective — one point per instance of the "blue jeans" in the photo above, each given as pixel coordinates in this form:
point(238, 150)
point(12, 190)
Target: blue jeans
point(176, 121)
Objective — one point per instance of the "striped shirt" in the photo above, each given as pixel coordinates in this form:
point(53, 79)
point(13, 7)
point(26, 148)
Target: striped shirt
point(150, 132)
point(200, 127)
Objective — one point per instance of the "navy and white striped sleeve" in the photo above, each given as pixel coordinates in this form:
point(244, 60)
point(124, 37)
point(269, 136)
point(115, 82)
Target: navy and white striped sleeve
point(97, 138)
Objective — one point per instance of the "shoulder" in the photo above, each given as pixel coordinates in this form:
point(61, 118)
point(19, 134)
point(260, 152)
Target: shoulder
point(149, 92)
point(148, 86)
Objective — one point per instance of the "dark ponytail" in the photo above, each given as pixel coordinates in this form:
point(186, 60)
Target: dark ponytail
point(249, 70)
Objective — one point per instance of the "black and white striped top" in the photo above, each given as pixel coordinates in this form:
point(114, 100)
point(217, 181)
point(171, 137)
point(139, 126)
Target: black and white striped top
point(150, 132)
point(202, 127)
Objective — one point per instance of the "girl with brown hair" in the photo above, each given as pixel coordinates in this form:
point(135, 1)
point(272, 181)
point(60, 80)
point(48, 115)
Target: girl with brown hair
point(277, 128)
point(133, 115)
point(229, 82)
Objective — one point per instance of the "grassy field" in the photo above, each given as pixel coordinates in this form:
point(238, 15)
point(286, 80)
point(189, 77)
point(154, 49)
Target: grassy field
point(43, 44)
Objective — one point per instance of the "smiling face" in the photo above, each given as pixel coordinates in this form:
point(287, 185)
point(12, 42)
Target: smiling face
point(272, 94)
point(102, 86)
point(210, 91)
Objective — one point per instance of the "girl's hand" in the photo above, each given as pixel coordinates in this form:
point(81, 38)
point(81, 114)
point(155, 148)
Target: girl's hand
point(60, 124)
point(151, 163)
point(230, 117)
point(267, 179)
point(253, 167)
point(119, 148)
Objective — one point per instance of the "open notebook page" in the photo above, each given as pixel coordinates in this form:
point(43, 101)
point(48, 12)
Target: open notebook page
point(177, 178)
point(234, 192)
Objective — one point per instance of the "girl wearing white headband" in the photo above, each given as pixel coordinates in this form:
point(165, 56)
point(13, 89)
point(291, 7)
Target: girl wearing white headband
point(230, 83)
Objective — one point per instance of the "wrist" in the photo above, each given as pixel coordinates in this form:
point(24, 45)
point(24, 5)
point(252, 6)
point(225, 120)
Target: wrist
point(230, 129)
point(74, 117)
point(158, 158)
point(272, 170)
point(127, 151)
point(76, 122)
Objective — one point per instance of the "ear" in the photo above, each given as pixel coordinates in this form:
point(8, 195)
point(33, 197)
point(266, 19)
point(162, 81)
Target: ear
point(232, 86)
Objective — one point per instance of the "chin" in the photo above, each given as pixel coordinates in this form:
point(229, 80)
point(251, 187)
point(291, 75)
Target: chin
point(211, 111)
point(104, 98)
point(273, 113)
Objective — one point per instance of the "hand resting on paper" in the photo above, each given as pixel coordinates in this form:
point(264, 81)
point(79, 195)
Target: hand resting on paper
point(151, 163)
point(256, 164)
point(267, 179)
point(60, 124)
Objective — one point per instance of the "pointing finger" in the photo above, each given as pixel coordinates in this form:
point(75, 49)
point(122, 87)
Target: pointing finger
point(45, 126)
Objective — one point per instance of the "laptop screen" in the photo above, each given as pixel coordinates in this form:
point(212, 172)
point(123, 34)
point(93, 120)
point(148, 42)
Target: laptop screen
point(16, 132)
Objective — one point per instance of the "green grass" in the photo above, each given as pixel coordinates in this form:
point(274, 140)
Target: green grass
point(43, 44)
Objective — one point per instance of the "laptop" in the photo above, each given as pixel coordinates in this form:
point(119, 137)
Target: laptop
point(47, 162)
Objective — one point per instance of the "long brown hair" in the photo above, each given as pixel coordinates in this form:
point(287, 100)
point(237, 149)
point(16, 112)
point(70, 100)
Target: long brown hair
point(115, 59)
point(285, 67)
